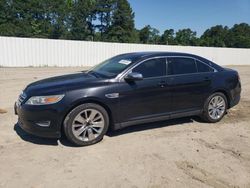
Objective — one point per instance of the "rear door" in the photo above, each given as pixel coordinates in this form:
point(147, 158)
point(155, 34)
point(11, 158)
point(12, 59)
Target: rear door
point(189, 86)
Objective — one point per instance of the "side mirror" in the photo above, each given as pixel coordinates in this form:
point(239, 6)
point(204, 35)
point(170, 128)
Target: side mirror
point(133, 76)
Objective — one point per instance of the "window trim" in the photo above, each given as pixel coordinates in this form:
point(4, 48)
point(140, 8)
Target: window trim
point(121, 76)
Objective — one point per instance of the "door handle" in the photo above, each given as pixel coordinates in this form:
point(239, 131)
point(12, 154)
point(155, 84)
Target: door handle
point(207, 79)
point(162, 84)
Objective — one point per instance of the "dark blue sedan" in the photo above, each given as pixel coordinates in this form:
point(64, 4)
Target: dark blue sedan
point(127, 89)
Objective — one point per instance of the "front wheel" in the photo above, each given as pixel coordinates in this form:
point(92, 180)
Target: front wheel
point(215, 107)
point(86, 124)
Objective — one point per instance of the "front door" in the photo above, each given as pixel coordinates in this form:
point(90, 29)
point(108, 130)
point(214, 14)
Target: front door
point(147, 98)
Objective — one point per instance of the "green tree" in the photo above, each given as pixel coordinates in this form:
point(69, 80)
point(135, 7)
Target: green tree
point(186, 37)
point(47, 18)
point(215, 36)
point(154, 36)
point(168, 37)
point(122, 25)
point(59, 19)
point(7, 26)
point(239, 36)
point(144, 34)
point(149, 35)
point(43, 19)
point(104, 20)
point(80, 24)
point(10, 15)
point(103, 13)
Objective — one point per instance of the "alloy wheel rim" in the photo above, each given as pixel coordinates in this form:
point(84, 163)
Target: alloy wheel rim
point(216, 107)
point(88, 125)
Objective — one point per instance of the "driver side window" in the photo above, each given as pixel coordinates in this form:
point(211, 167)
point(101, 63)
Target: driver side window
point(152, 68)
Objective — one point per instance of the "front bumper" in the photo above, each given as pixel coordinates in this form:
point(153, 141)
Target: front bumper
point(29, 118)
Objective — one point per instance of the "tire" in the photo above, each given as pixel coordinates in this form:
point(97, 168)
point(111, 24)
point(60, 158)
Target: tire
point(90, 119)
point(210, 107)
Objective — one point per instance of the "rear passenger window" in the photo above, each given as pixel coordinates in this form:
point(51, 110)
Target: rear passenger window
point(202, 67)
point(181, 66)
point(152, 68)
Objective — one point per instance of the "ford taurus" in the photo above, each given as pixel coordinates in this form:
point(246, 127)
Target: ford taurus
point(127, 89)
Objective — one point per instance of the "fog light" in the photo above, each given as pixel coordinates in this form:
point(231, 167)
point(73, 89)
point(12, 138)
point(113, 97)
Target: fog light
point(43, 123)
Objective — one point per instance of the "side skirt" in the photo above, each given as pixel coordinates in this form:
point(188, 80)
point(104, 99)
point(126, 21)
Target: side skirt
point(155, 119)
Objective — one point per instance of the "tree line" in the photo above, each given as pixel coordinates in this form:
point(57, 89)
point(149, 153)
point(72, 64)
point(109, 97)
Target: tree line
point(104, 20)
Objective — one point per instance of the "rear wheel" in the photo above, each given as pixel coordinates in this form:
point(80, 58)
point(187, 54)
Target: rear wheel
point(215, 107)
point(86, 124)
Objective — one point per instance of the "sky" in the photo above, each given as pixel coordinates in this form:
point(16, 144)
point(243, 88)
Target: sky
point(198, 15)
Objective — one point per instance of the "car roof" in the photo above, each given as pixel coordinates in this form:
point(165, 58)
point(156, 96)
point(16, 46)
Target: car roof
point(157, 53)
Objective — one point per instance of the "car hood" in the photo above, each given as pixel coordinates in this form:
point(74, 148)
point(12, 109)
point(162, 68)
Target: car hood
point(61, 83)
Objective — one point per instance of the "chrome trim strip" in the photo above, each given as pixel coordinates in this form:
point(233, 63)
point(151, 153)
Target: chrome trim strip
point(112, 95)
point(43, 124)
point(21, 98)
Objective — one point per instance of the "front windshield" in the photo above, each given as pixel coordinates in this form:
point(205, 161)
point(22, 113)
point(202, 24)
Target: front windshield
point(112, 67)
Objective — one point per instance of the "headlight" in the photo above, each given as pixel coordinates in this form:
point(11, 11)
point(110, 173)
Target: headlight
point(43, 100)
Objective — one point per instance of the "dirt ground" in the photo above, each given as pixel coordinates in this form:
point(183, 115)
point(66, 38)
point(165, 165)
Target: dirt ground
point(176, 153)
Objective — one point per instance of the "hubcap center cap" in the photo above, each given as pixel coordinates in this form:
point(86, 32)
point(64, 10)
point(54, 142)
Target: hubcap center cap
point(88, 122)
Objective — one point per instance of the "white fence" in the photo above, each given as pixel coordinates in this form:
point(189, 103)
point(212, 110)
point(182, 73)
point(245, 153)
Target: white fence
point(22, 52)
